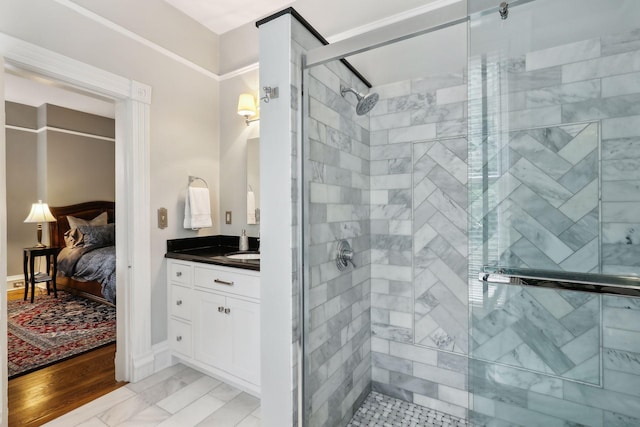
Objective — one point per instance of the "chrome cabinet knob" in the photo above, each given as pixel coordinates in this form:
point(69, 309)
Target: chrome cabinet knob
point(220, 309)
point(227, 310)
point(179, 338)
point(179, 273)
point(179, 302)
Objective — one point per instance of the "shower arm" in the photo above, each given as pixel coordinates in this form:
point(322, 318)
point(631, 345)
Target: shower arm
point(344, 90)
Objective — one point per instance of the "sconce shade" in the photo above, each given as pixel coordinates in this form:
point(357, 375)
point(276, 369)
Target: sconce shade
point(40, 213)
point(246, 105)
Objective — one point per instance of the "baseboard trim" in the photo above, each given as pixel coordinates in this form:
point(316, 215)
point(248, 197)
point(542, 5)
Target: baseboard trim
point(162, 356)
point(142, 366)
point(12, 279)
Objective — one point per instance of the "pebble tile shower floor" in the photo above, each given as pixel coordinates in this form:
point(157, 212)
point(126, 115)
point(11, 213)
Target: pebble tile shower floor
point(381, 410)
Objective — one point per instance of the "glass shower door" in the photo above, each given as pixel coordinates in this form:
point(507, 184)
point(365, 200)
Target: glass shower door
point(554, 191)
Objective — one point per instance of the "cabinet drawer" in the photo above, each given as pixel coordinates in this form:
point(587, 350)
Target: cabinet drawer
point(180, 337)
point(223, 280)
point(180, 302)
point(180, 273)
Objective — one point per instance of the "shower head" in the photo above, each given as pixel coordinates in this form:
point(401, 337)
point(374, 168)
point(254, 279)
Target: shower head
point(503, 10)
point(365, 102)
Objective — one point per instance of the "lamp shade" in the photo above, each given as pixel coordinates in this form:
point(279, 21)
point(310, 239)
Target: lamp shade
point(40, 213)
point(246, 105)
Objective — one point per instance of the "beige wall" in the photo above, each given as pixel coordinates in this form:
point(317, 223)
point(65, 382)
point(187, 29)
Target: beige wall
point(73, 169)
point(184, 125)
point(79, 169)
point(21, 193)
point(21, 181)
point(232, 57)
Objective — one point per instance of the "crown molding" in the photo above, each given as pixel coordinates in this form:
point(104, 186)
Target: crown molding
point(59, 130)
point(235, 73)
point(136, 37)
point(391, 20)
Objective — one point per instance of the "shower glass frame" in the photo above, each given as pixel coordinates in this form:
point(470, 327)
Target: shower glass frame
point(433, 20)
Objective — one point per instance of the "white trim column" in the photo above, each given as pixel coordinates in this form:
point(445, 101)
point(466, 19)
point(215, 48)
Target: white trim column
point(3, 260)
point(276, 227)
point(135, 189)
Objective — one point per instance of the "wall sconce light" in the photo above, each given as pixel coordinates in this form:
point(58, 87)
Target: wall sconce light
point(40, 213)
point(247, 107)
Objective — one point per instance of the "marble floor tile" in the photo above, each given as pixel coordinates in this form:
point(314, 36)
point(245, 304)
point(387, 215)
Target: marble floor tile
point(92, 409)
point(152, 416)
point(233, 412)
point(194, 413)
point(225, 392)
point(177, 396)
point(93, 422)
point(185, 396)
point(250, 421)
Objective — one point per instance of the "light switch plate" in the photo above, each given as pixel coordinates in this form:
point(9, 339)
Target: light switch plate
point(162, 218)
point(227, 217)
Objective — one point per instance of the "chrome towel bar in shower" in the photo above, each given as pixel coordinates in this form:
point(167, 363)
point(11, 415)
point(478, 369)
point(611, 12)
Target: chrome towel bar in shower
point(580, 282)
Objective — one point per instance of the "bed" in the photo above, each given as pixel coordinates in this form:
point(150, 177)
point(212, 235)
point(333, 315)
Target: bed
point(85, 269)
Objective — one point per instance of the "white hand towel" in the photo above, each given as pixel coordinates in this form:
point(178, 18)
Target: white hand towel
point(251, 207)
point(197, 208)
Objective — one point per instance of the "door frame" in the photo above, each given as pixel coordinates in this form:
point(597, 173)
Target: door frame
point(134, 356)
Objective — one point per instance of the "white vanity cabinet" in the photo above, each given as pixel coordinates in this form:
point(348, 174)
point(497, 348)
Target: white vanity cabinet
point(214, 320)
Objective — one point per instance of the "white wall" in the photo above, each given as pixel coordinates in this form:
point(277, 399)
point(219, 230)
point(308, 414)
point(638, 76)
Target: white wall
point(184, 112)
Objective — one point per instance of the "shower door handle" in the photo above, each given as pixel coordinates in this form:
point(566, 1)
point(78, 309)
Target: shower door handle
point(344, 255)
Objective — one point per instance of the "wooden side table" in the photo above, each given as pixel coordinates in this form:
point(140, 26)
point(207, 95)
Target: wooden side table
point(30, 278)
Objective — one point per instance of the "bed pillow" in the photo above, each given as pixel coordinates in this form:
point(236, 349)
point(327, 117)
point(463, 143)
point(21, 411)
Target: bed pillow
point(73, 238)
point(99, 235)
point(101, 219)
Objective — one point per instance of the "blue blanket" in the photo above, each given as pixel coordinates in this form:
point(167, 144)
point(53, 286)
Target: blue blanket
point(91, 263)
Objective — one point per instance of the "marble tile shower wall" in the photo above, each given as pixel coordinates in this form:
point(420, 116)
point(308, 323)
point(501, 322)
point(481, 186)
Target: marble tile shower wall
point(337, 175)
point(419, 242)
point(583, 370)
point(301, 41)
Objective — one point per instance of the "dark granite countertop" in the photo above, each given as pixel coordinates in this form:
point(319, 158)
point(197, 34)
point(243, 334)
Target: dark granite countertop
point(212, 250)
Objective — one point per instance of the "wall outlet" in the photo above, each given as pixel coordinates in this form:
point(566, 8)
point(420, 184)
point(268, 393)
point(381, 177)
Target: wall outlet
point(227, 217)
point(18, 284)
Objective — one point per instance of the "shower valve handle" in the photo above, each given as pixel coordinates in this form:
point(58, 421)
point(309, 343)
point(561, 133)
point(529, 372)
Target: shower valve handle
point(348, 255)
point(344, 256)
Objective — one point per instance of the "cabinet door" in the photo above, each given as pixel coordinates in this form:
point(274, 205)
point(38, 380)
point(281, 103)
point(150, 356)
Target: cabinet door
point(245, 338)
point(212, 330)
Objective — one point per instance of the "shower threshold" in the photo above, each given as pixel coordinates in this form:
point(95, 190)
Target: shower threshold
point(382, 410)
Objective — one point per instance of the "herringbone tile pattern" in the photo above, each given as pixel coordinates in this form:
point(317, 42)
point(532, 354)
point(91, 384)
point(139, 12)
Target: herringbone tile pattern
point(544, 330)
point(544, 192)
point(440, 243)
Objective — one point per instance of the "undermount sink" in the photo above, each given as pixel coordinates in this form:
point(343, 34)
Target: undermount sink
point(244, 255)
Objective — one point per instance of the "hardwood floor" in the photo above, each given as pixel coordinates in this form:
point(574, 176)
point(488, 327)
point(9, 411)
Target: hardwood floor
point(48, 393)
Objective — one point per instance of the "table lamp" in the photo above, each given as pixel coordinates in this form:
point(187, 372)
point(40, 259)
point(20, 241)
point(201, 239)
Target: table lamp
point(40, 213)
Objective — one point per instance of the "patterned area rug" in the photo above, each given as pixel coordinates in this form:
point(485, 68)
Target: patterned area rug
point(51, 330)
